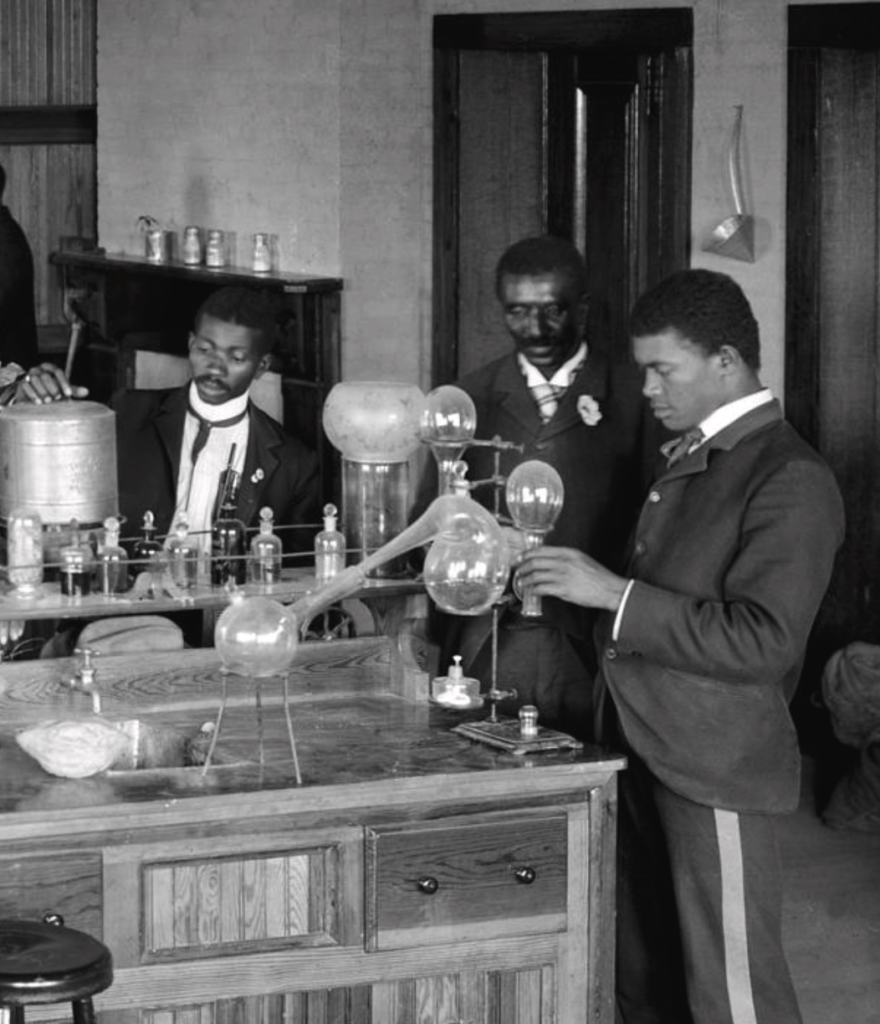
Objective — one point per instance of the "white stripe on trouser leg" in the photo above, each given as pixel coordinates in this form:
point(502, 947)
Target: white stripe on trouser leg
point(733, 916)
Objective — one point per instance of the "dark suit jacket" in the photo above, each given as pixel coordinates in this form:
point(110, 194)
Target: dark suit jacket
point(18, 327)
point(279, 471)
point(605, 468)
point(733, 553)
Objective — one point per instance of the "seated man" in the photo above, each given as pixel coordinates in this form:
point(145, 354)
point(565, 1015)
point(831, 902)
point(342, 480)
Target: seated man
point(173, 445)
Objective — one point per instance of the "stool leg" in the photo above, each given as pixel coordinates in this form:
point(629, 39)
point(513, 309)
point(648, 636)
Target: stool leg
point(11, 1015)
point(83, 1012)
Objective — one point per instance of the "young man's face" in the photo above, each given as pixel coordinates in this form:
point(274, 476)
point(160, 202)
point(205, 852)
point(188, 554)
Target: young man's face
point(224, 359)
point(544, 316)
point(682, 382)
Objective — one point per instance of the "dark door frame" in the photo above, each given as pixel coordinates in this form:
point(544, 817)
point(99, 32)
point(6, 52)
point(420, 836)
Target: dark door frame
point(553, 33)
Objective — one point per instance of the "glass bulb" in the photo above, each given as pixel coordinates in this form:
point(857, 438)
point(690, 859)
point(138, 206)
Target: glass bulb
point(534, 494)
point(256, 637)
point(468, 563)
point(449, 422)
point(449, 417)
point(373, 421)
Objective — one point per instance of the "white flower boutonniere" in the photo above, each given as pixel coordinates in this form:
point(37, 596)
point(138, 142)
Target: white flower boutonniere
point(257, 476)
point(589, 409)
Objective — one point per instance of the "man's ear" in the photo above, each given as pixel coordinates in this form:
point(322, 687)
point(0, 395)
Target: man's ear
point(729, 358)
point(263, 365)
point(190, 341)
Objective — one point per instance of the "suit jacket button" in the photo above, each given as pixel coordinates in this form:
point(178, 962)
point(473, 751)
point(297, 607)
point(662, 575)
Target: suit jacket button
point(611, 653)
point(640, 547)
point(654, 497)
point(540, 446)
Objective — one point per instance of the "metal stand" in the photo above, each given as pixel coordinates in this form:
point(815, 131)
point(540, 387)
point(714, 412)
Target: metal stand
point(224, 675)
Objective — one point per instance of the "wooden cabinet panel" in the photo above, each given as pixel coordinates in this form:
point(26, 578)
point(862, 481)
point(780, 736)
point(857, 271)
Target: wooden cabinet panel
point(474, 879)
point(211, 898)
point(66, 883)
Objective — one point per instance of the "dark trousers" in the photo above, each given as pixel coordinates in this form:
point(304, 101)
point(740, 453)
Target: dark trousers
point(699, 911)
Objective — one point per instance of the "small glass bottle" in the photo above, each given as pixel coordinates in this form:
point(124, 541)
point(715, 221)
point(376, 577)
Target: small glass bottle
point(329, 548)
point(262, 257)
point(266, 551)
point(192, 246)
point(24, 551)
point(215, 254)
point(76, 565)
point(147, 550)
point(182, 556)
point(228, 535)
point(112, 562)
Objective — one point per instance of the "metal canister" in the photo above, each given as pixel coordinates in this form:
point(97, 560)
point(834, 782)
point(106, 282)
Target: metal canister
point(59, 460)
point(155, 245)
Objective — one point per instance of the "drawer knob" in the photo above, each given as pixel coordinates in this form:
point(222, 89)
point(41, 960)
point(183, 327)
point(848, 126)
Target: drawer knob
point(428, 885)
point(525, 875)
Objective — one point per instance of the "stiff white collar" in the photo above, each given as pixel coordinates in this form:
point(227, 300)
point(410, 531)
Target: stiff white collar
point(715, 422)
point(562, 377)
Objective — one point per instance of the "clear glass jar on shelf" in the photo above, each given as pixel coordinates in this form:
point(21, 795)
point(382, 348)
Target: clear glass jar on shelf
point(24, 551)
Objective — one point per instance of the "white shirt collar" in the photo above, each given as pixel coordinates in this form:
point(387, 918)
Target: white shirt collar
point(213, 413)
point(562, 377)
point(715, 422)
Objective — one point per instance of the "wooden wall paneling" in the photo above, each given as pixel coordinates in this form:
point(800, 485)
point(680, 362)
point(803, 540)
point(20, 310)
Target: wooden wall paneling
point(72, 54)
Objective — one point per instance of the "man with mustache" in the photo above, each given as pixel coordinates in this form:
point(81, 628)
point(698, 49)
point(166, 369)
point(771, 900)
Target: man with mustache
point(571, 405)
point(172, 445)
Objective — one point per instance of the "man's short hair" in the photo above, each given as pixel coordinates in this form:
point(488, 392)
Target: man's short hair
point(542, 254)
point(707, 308)
point(247, 307)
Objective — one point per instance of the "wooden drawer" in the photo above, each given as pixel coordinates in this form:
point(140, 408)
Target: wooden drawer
point(444, 882)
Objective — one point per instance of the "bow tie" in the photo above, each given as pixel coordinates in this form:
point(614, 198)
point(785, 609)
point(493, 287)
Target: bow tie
point(676, 449)
point(205, 428)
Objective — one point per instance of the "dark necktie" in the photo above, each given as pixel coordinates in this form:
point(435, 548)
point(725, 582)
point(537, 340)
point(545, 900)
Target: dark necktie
point(676, 449)
point(205, 427)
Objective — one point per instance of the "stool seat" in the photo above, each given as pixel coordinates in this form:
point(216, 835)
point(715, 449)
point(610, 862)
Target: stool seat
point(43, 962)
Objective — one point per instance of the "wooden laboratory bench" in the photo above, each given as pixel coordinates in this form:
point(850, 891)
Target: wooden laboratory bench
point(412, 875)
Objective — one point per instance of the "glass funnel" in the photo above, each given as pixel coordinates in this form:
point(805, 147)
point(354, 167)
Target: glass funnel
point(448, 423)
point(534, 493)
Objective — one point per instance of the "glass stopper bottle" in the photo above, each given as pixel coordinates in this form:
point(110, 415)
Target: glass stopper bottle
point(182, 556)
point(228, 561)
point(329, 548)
point(266, 551)
point(147, 550)
point(24, 551)
point(112, 561)
point(76, 565)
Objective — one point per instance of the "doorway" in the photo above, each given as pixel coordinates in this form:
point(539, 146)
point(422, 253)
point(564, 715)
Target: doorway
point(578, 124)
point(832, 367)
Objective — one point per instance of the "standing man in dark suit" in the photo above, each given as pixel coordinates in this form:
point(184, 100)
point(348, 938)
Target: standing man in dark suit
point(701, 643)
point(569, 405)
point(18, 325)
point(162, 467)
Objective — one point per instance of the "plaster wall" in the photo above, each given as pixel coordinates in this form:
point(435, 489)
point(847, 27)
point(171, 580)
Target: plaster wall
point(312, 119)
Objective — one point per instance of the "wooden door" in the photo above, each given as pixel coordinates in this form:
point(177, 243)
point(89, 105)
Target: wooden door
point(833, 289)
point(577, 124)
